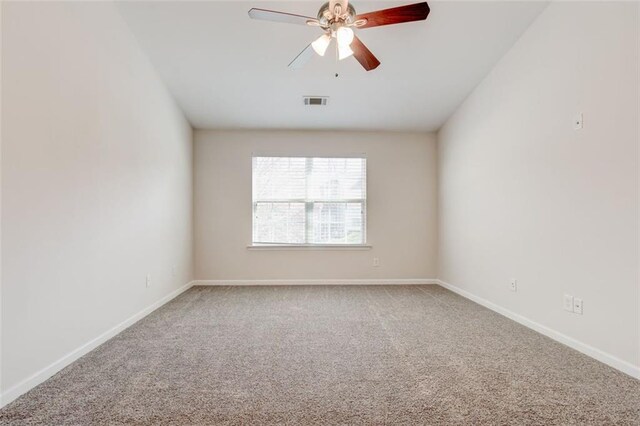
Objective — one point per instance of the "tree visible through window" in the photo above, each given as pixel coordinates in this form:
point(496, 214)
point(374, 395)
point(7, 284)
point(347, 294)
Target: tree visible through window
point(315, 201)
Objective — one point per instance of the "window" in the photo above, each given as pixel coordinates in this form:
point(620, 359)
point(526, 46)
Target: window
point(309, 201)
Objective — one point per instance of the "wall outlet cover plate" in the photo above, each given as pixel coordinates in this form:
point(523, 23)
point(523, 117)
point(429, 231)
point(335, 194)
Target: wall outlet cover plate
point(577, 306)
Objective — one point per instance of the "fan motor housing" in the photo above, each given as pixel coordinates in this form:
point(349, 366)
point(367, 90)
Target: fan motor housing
point(327, 17)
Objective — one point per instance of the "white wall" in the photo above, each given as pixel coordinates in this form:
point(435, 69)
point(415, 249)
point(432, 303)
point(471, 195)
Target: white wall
point(1, 20)
point(96, 183)
point(524, 195)
point(401, 213)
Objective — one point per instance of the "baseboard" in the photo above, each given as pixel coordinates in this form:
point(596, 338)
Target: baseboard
point(42, 375)
point(606, 358)
point(377, 281)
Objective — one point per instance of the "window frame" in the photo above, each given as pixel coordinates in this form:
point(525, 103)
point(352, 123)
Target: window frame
point(309, 208)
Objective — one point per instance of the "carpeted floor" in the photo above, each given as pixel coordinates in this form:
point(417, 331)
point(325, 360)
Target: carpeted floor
point(330, 355)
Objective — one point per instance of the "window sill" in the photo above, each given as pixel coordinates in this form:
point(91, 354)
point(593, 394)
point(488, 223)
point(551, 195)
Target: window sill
point(309, 247)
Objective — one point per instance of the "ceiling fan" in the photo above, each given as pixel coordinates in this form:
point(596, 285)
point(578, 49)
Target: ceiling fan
point(337, 18)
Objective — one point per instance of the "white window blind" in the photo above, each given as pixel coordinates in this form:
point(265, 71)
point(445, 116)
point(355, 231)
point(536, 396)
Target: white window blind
point(315, 201)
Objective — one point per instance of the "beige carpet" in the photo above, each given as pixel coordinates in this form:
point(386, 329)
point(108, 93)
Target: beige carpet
point(330, 355)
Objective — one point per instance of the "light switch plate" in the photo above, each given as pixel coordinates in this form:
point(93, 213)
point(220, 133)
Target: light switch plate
point(567, 303)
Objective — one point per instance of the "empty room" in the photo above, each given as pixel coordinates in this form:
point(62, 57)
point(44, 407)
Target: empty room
point(319, 213)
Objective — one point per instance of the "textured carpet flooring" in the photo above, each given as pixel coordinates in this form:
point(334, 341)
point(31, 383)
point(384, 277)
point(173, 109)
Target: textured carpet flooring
point(329, 355)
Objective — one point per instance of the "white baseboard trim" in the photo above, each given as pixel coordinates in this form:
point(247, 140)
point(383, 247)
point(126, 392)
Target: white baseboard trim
point(604, 357)
point(42, 375)
point(376, 281)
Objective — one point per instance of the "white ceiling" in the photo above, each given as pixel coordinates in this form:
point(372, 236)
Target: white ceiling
point(228, 71)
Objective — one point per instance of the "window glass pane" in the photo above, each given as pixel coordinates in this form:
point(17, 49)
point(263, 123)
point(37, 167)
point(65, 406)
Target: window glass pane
point(336, 179)
point(336, 223)
point(299, 200)
point(279, 178)
point(279, 223)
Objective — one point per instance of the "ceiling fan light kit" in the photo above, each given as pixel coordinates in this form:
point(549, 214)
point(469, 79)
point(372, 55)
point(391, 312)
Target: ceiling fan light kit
point(321, 44)
point(344, 51)
point(344, 35)
point(337, 18)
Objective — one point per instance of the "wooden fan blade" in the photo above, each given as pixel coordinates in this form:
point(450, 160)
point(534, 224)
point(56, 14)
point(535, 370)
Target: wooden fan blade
point(364, 55)
point(287, 18)
point(302, 58)
point(395, 15)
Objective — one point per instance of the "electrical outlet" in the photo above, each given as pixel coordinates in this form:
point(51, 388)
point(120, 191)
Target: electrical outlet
point(514, 284)
point(376, 261)
point(567, 303)
point(577, 306)
point(148, 280)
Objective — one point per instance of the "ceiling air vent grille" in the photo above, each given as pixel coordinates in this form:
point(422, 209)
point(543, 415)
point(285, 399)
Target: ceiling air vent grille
point(315, 100)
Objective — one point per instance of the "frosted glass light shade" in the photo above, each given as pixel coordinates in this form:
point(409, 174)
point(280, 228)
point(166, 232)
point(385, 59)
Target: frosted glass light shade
point(344, 36)
point(321, 44)
point(344, 51)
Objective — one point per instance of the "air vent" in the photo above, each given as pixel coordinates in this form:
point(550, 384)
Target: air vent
point(315, 100)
